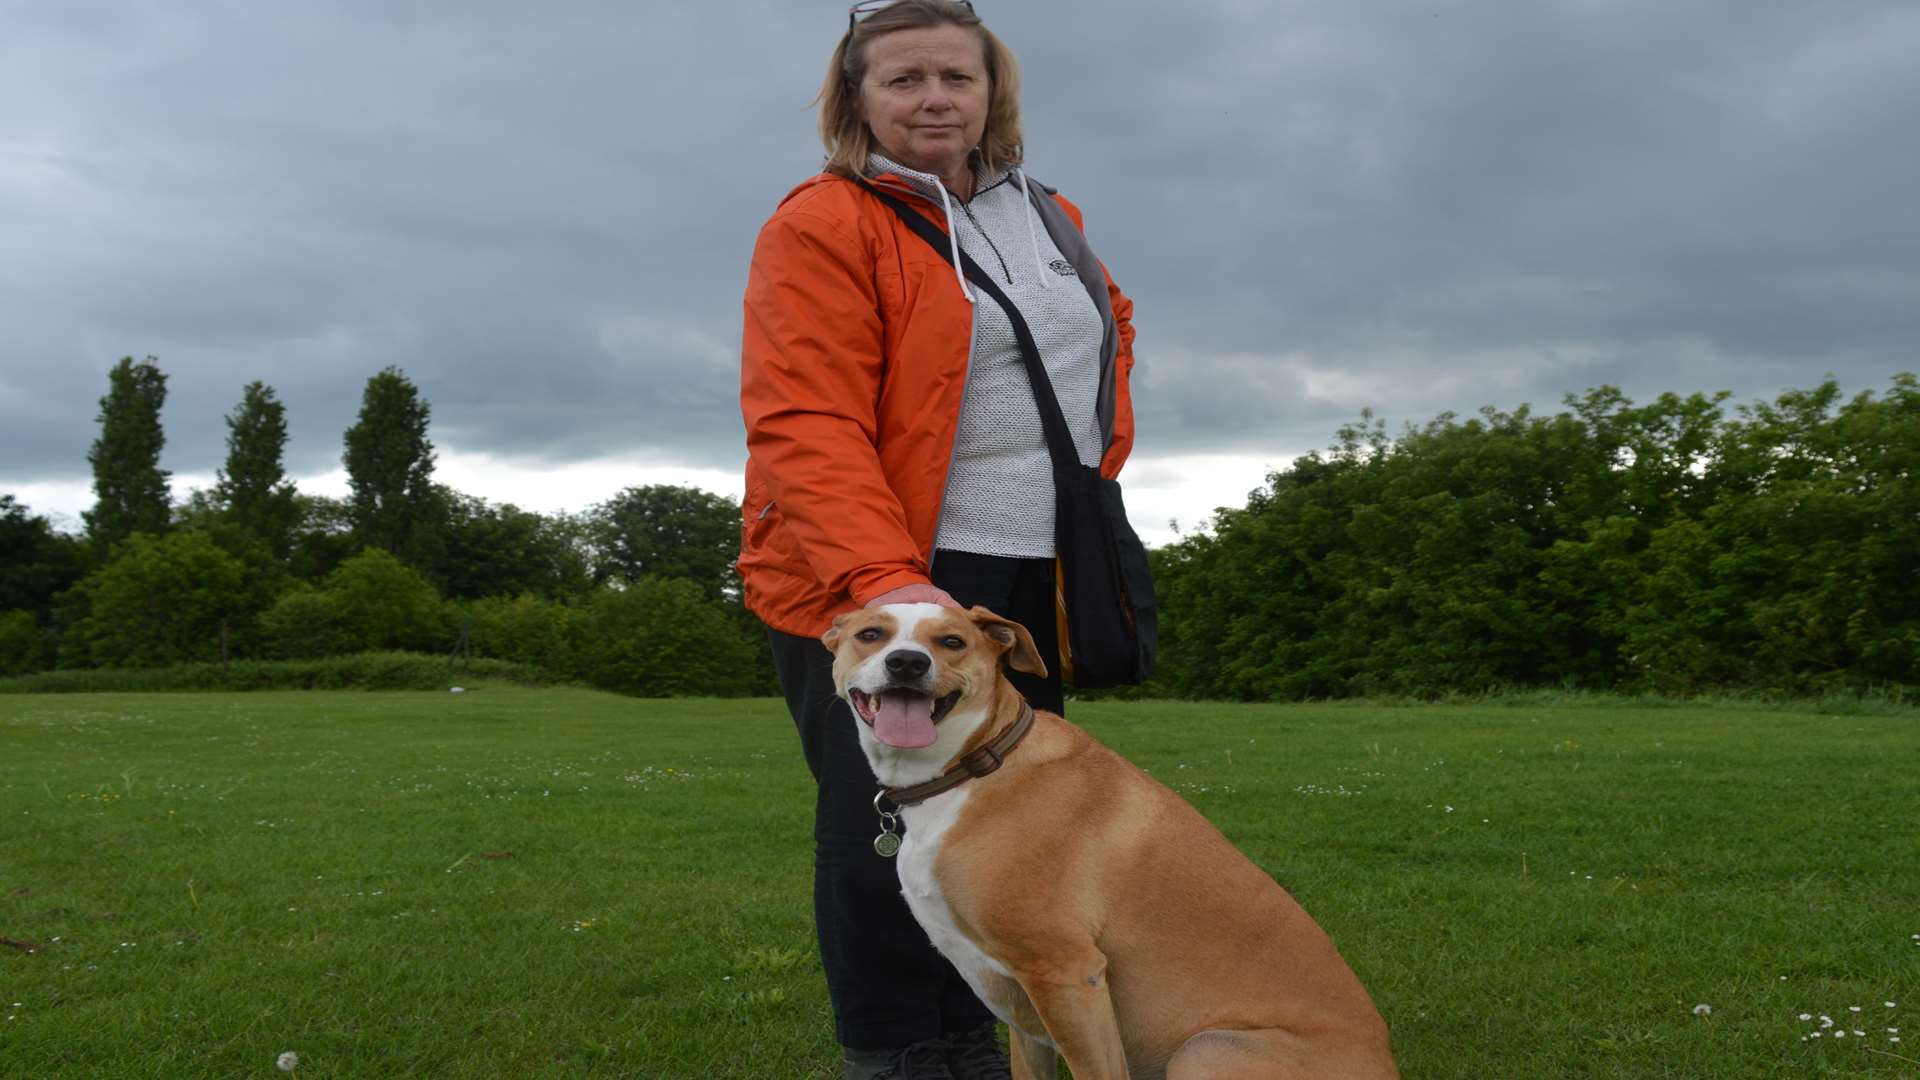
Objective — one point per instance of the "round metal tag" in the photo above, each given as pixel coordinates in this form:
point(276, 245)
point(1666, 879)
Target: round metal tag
point(886, 845)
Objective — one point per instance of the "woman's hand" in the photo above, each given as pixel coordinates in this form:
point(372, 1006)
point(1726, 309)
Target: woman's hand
point(915, 594)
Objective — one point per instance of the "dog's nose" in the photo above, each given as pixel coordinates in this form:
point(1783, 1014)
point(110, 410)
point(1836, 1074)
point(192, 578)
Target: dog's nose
point(908, 664)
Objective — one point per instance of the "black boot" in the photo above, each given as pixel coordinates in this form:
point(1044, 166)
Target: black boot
point(976, 1055)
point(921, 1061)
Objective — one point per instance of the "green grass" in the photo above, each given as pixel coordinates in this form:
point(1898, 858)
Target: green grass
point(355, 671)
point(515, 882)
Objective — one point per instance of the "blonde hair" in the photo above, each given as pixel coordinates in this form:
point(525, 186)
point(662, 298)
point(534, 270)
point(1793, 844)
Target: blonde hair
point(845, 133)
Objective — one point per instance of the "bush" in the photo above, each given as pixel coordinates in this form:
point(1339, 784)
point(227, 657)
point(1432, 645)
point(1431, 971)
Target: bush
point(526, 630)
point(664, 638)
point(1609, 546)
point(22, 646)
point(359, 671)
point(164, 600)
point(372, 601)
point(388, 604)
point(307, 623)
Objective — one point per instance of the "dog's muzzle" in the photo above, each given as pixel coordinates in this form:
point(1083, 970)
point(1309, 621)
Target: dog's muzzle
point(903, 713)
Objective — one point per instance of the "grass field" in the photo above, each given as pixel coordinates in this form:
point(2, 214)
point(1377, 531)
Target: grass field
point(512, 882)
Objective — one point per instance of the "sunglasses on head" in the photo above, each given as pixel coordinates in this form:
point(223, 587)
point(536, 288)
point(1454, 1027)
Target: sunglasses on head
point(868, 7)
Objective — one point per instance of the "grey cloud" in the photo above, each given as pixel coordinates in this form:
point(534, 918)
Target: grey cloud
point(543, 214)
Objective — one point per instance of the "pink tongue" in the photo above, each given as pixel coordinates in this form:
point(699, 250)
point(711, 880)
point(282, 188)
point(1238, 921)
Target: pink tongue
point(903, 720)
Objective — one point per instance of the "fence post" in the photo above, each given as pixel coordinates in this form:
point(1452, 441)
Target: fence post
point(463, 646)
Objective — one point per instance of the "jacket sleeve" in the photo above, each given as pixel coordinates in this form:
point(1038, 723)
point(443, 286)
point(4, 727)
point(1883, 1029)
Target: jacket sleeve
point(811, 364)
point(1122, 444)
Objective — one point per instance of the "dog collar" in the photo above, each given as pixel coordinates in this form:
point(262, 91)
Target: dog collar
point(978, 762)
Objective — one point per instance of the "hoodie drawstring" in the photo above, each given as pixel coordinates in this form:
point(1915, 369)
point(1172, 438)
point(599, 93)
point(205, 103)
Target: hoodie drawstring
point(1028, 212)
point(953, 238)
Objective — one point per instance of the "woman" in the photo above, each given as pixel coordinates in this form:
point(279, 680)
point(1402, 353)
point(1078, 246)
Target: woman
point(896, 454)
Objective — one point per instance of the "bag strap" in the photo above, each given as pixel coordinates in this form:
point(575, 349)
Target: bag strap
point(1052, 421)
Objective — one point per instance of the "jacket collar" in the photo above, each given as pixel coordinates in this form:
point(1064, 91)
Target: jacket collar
point(927, 185)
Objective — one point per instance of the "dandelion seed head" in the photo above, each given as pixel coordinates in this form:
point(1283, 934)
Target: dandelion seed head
point(1703, 1010)
point(287, 1062)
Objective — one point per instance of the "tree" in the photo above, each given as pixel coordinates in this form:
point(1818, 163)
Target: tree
point(389, 462)
point(322, 537)
point(1800, 575)
point(371, 601)
point(682, 533)
point(1609, 546)
point(501, 550)
point(529, 630)
point(668, 531)
point(23, 646)
point(163, 600)
point(129, 485)
point(254, 487)
point(36, 563)
point(663, 638)
point(307, 623)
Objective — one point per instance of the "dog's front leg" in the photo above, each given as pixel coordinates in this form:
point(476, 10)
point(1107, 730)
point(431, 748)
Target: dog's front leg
point(1033, 1059)
point(1070, 994)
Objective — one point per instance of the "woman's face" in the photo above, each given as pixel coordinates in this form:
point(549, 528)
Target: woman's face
point(925, 97)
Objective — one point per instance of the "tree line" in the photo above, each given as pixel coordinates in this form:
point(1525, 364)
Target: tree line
point(1673, 546)
point(1668, 547)
point(637, 593)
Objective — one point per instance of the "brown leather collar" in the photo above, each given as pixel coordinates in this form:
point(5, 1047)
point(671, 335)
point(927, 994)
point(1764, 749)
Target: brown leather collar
point(978, 762)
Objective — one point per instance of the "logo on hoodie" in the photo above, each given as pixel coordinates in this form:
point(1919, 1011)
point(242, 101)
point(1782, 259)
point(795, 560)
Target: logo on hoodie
point(1063, 268)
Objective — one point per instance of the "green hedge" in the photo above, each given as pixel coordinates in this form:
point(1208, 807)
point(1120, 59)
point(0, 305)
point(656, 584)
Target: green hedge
point(1667, 547)
point(360, 671)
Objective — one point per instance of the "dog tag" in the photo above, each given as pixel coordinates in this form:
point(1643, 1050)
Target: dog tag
point(887, 844)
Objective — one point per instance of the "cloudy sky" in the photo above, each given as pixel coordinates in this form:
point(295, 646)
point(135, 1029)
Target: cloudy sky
point(542, 213)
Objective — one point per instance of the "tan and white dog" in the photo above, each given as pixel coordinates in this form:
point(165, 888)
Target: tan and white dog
point(1089, 906)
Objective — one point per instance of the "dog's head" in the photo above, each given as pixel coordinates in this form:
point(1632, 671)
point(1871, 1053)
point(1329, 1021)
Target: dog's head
point(922, 678)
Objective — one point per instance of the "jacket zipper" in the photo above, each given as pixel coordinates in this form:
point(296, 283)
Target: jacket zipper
point(940, 504)
point(995, 248)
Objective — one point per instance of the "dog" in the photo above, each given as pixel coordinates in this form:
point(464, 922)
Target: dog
point(1091, 908)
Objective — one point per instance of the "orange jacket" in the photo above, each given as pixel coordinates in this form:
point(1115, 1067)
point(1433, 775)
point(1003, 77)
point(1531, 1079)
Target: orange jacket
point(853, 362)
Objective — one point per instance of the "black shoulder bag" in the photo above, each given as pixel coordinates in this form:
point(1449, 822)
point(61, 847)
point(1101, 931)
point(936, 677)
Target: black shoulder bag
point(1112, 617)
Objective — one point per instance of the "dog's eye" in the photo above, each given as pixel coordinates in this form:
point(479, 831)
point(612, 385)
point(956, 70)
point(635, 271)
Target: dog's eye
point(871, 633)
point(953, 641)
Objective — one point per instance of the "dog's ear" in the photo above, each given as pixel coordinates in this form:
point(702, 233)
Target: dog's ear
point(831, 638)
point(1011, 637)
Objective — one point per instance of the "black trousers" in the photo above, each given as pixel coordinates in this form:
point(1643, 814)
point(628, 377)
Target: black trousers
point(889, 987)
